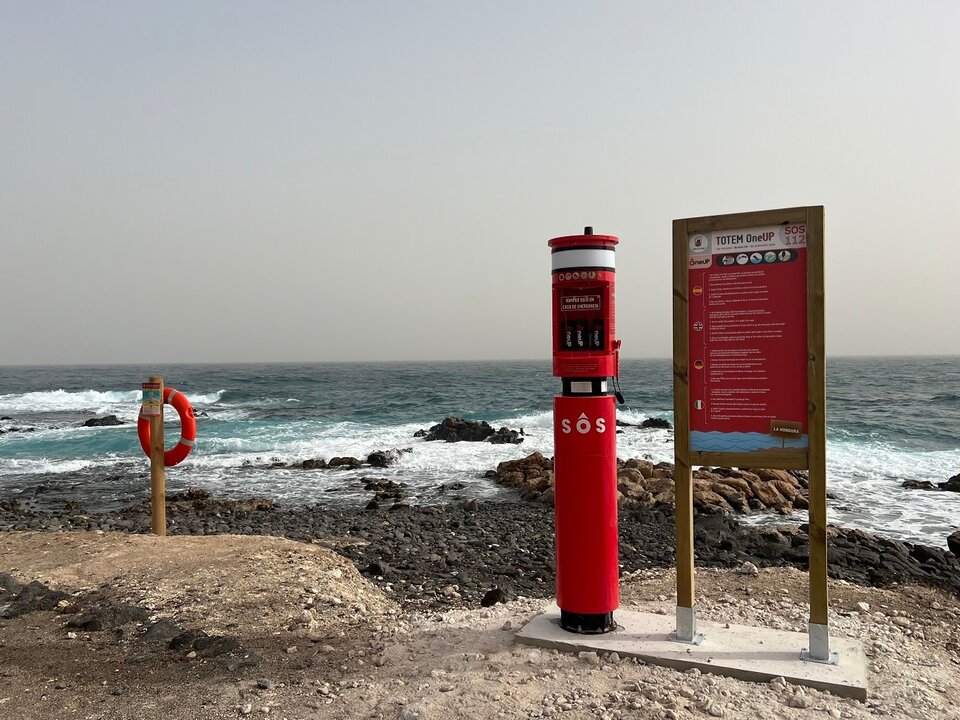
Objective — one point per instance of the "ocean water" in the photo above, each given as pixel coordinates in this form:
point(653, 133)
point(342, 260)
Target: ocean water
point(889, 419)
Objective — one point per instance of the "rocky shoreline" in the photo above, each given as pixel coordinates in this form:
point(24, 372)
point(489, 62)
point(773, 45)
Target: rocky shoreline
point(452, 555)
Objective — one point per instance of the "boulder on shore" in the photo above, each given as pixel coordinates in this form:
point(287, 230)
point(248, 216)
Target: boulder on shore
point(106, 421)
point(953, 542)
point(643, 485)
point(953, 484)
point(453, 429)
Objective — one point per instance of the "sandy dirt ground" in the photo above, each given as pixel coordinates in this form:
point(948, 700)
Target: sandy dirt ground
point(318, 640)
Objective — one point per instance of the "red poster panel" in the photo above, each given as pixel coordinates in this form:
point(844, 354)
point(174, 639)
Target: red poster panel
point(748, 339)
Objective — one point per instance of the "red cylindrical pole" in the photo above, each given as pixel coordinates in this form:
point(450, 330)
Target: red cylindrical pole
point(585, 461)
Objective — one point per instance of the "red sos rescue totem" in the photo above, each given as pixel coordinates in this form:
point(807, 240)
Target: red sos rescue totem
point(586, 359)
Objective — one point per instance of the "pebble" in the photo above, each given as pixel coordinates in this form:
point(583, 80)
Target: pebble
point(263, 683)
point(863, 607)
point(711, 707)
point(799, 701)
point(748, 568)
point(446, 687)
point(291, 650)
point(246, 709)
point(589, 656)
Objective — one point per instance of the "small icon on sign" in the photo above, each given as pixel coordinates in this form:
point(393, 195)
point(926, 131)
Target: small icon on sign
point(592, 275)
point(698, 404)
point(756, 258)
point(698, 364)
point(698, 326)
point(785, 255)
point(727, 260)
point(568, 276)
point(771, 256)
point(742, 259)
point(697, 290)
point(699, 244)
point(576, 276)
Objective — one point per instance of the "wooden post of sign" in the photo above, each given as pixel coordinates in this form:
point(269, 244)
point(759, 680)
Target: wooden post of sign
point(819, 629)
point(158, 489)
point(682, 472)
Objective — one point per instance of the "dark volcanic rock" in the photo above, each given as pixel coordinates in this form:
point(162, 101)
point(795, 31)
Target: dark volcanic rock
point(9, 585)
point(108, 617)
point(953, 484)
point(953, 542)
point(162, 631)
point(453, 429)
point(345, 463)
point(656, 423)
point(383, 458)
point(314, 464)
point(189, 495)
point(184, 642)
point(33, 597)
point(918, 485)
point(199, 503)
point(492, 597)
point(505, 436)
point(106, 421)
point(377, 568)
point(214, 645)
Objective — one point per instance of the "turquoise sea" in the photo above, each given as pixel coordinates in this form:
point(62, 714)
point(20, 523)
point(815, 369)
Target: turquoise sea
point(889, 419)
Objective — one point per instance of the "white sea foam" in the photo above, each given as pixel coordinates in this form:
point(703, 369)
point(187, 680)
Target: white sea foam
point(865, 477)
point(45, 466)
point(96, 401)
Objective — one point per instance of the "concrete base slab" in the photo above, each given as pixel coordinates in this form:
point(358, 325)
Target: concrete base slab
point(738, 651)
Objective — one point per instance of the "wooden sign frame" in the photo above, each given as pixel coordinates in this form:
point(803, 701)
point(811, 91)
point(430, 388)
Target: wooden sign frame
point(812, 458)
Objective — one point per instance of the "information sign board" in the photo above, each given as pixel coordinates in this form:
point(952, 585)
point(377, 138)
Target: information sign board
point(747, 326)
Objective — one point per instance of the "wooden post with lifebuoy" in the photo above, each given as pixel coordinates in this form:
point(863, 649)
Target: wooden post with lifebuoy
point(150, 433)
point(158, 482)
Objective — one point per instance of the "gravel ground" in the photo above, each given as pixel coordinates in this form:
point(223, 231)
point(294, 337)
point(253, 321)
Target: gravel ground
point(314, 638)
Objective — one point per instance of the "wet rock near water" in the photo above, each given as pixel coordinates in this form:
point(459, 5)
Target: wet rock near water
point(17, 430)
point(377, 459)
point(648, 424)
point(453, 429)
point(644, 485)
point(106, 421)
point(953, 543)
point(951, 485)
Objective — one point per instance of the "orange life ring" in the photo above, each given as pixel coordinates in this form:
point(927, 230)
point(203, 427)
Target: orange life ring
point(188, 428)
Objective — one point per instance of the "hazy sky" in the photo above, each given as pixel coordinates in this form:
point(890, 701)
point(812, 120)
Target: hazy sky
point(253, 181)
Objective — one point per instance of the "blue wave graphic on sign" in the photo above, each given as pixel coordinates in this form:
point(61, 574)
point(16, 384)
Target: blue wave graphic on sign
point(715, 441)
